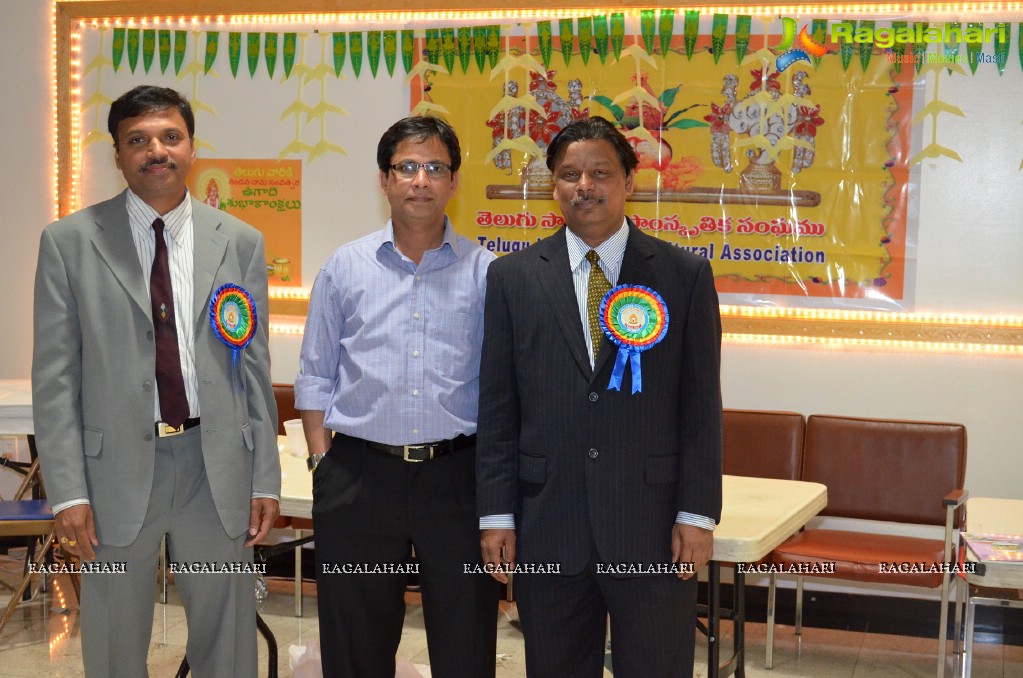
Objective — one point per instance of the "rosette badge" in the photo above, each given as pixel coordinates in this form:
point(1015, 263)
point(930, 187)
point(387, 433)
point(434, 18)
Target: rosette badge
point(634, 318)
point(233, 319)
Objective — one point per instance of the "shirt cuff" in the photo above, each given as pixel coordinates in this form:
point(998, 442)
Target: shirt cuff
point(260, 495)
point(57, 508)
point(499, 521)
point(706, 523)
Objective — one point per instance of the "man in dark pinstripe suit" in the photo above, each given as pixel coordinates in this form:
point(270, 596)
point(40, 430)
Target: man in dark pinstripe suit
point(617, 490)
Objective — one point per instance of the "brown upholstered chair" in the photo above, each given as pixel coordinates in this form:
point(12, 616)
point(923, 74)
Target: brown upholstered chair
point(763, 444)
point(284, 394)
point(883, 470)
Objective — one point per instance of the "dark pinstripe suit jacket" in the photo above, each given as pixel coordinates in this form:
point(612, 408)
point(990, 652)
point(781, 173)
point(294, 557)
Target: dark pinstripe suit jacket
point(578, 464)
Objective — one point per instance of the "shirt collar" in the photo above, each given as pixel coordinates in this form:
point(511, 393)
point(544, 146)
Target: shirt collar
point(141, 216)
point(387, 237)
point(611, 251)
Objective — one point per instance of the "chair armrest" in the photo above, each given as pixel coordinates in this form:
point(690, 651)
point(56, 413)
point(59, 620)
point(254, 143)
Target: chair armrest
point(956, 498)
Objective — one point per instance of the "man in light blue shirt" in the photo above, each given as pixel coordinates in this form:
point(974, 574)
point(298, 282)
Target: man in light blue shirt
point(388, 387)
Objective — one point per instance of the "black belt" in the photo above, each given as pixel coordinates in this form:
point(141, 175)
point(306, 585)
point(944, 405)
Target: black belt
point(424, 451)
point(164, 430)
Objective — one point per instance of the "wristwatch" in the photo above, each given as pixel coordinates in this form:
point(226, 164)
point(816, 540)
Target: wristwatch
point(313, 460)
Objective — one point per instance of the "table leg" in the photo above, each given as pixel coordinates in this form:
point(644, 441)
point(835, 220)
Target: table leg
point(298, 576)
point(713, 619)
point(739, 621)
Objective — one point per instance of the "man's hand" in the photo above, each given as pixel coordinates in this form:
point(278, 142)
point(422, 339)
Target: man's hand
point(498, 547)
point(263, 512)
point(691, 544)
point(76, 531)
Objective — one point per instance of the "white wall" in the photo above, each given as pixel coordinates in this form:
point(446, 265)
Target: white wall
point(971, 241)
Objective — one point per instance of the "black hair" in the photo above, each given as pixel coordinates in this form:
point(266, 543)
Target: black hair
point(418, 128)
point(146, 99)
point(592, 129)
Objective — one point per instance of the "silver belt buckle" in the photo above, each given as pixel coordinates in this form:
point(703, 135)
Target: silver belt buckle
point(164, 430)
point(406, 449)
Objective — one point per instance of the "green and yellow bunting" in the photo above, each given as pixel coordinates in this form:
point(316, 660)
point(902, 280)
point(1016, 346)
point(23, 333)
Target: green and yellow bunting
point(493, 44)
point(373, 51)
point(448, 48)
point(690, 31)
point(212, 44)
point(742, 29)
point(134, 39)
point(290, 50)
point(390, 50)
point(920, 49)
point(567, 39)
point(464, 47)
point(180, 45)
point(845, 51)
point(355, 47)
point(165, 49)
point(340, 44)
point(952, 46)
point(148, 48)
point(899, 48)
point(866, 49)
point(252, 53)
point(234, 51)
point(973, 48)
point(117, 48)
point(433, 45)
point(600, 36)
point(408, 49)
point(544, 35)
point(647, 29)
point(718, 30)
point(666, 28)
point(819, 32)
point(585, 28)
point(479, 46)
point(270, 53)
point(617, 34)
point(1001, 47)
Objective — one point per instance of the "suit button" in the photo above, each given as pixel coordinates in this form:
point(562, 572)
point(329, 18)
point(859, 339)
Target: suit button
point(147, 386)
point(147, 437)
point(594, 397)
point(149, 335)
point(594, 454)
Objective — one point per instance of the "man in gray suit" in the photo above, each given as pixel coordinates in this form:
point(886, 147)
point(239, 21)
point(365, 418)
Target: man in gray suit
point(145, 425)
point(613, 479)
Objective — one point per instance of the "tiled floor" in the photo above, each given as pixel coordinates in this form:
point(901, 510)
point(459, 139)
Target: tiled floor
point(43, 639)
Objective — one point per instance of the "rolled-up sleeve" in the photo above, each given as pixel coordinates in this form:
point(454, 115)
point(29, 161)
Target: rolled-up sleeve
point(321, 346)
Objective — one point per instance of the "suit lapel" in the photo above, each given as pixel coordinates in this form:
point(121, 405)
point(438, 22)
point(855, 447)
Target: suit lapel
point(210, 245)
point(116, 247)
point(636, 270)
point(556, 280)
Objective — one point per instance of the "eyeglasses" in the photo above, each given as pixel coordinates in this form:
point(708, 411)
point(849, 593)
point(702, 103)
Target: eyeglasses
point(434, 170)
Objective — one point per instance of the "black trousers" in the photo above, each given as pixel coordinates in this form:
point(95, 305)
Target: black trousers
point(564, 621)
point(369, 510)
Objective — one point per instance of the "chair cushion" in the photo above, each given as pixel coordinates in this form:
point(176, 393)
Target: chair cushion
point(858, 556)
point(25, 509)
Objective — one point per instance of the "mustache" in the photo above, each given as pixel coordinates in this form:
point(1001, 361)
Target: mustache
point(168, 161)
point(589, 197)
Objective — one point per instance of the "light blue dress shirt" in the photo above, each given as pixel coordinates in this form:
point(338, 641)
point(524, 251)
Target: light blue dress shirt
point(391, 351)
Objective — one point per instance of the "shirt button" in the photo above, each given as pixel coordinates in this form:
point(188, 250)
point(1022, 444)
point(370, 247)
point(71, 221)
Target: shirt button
point(416, 315)
point(594, 397)
point(415, 391)
point(415, 430)
point(415, 354)
point(594, 454)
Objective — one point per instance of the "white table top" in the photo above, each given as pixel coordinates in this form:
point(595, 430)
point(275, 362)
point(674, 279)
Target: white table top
point(16, 407)
point(758, 513)
point(995, 516)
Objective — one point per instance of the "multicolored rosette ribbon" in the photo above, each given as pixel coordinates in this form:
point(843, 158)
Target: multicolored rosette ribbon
point(233, 319)
point(634, 318)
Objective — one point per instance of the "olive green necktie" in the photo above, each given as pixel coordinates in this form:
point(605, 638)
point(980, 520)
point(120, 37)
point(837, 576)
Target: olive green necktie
point(596, 288)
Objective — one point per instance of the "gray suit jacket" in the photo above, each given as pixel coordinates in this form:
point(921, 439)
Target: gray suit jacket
point(94, 366)
point(581, 465)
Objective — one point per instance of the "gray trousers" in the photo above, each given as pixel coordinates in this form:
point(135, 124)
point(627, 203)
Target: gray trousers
point(117, 608)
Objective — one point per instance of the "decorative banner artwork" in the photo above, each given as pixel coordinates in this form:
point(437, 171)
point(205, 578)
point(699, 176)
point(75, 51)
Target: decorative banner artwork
point(788, 152)
point(266, 194)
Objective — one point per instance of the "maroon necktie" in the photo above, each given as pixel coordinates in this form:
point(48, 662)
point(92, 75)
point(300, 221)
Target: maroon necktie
point(169, 382)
